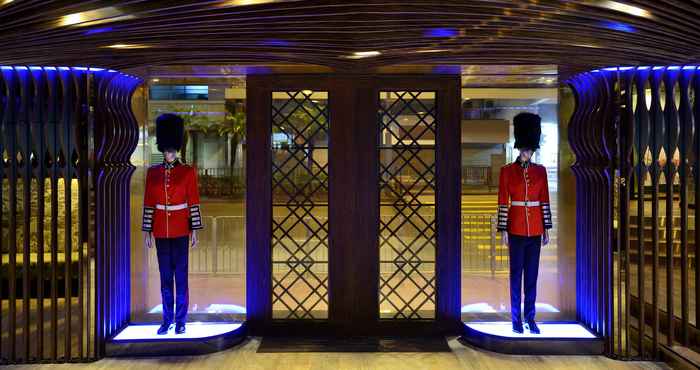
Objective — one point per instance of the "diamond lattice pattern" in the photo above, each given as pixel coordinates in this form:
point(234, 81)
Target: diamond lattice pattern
point(407, 229)
point(300, 127)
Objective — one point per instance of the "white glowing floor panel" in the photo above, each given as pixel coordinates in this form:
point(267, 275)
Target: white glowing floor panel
point(193, 331)
point(547, 330)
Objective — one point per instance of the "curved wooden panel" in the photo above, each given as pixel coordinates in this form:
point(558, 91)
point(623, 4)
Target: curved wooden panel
point(116, 136)
point(635, 137)
point(61, 215)
point(575, 35)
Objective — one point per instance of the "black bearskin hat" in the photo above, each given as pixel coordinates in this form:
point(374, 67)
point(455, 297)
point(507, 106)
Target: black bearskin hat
point(170, 132)
point(527, 130)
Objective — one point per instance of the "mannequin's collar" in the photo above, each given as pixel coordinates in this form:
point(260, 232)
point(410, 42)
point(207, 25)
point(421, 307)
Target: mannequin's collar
point(521, 163)
point(170, 165)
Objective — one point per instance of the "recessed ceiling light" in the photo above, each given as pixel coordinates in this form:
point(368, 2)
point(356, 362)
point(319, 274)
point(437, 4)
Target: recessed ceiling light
point(587, 46)
point(93, 17)
point(625, 8)
point(127, 46)
point(364, 54)
point(429, 51)
point(5, 2)
point(155, 80)
point(248, 2)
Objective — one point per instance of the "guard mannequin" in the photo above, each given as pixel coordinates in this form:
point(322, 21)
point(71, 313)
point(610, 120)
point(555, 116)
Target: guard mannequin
point(524, 218)
point(171, 215)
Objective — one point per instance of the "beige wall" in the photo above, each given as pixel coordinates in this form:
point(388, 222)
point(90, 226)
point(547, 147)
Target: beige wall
point(494, 131)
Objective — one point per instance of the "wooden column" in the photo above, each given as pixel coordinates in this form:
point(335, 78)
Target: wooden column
point(353, 212)
point(258, 202)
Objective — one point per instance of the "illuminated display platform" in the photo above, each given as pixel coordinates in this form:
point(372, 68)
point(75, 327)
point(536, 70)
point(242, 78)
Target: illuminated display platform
point(548, 330)
point(556, 338)
point(195, 330)
point(199, 338)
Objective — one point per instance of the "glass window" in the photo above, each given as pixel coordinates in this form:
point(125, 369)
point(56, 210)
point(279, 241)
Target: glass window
point(179, 92)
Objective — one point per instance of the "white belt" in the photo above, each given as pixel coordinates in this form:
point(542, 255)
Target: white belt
point(172, 207)
point(525, 203)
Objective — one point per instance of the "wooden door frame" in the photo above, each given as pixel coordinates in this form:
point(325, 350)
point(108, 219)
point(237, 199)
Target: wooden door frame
point(353, 184)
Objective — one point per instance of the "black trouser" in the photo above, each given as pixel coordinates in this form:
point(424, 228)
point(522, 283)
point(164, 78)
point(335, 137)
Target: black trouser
point(524, 252)
point(172, 263)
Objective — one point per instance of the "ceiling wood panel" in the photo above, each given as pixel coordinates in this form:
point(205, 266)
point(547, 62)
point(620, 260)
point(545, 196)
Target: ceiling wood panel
point(576, 35)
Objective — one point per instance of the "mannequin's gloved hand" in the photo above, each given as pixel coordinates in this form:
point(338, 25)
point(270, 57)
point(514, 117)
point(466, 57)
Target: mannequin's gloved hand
point(193, 239)
point(148, 239)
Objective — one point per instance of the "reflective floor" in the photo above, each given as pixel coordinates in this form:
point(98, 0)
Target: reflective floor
point(246, 357)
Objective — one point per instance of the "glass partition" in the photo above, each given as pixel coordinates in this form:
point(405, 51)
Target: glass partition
point(213, 109)
point(487, 145)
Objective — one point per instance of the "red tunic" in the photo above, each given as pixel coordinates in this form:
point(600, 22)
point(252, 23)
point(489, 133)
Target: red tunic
point(525, 185)
point(171, 201)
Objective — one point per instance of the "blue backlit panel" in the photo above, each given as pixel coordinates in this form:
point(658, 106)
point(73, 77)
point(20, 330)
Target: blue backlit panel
point(194, 330)
point(548, 330)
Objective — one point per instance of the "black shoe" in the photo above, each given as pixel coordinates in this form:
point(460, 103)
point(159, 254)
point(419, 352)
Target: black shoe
point(532, 326)
point(180, 329)
point(517, 327)
point(163, 329)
